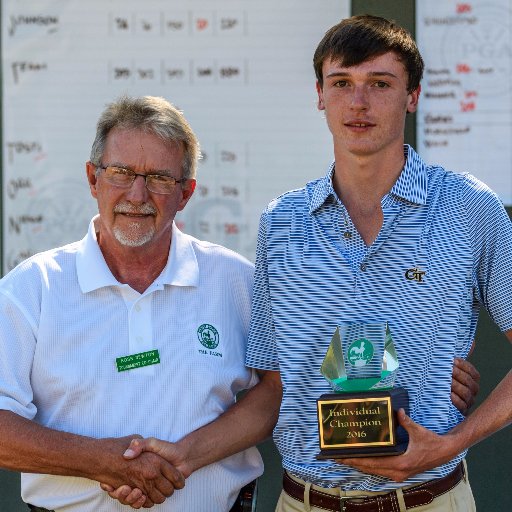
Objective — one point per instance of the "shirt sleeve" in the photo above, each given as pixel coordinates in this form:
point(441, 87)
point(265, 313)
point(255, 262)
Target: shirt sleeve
point(261, 350)
point(491, 236)
point(17, 346)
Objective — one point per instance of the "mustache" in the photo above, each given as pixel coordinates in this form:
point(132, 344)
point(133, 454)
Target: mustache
point(143, 209)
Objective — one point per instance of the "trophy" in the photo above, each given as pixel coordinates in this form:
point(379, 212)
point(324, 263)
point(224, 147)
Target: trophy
point(360, 418)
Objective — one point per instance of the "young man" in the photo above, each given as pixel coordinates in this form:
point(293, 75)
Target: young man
point(339, 250)
point(352, 237)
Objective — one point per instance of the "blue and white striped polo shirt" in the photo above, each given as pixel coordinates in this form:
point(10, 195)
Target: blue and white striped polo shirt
point(309, 278)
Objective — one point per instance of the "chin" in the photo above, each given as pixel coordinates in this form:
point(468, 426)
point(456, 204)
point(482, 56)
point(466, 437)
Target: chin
point(132, 239)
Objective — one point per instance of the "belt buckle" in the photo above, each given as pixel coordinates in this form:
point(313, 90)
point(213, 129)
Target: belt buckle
point(343, 499)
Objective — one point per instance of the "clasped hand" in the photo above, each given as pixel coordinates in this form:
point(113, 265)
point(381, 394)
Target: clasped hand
point(426, 450)
point(165, 458)
point(151, 477)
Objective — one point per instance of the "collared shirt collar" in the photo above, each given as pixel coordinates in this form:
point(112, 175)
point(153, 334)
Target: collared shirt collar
point(93, 273)
point(411, 185)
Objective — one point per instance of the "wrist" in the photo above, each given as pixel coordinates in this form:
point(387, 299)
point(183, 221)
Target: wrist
point(452, 444)
point(189, 461)
point(108, 461)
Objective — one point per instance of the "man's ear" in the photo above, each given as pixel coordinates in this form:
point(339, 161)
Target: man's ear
point(187, 189)
point(320, 105)
point(413, 99)
point(90, 170)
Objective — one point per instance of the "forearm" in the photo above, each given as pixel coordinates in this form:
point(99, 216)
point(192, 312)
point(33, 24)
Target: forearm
point(246, 423)
point(29, 447)
point(492, 415)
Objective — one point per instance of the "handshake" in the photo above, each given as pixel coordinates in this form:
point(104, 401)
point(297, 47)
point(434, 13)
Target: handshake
point(153, 470)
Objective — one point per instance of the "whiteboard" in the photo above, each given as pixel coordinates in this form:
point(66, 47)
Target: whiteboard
point(465, 110)
point(240, 70)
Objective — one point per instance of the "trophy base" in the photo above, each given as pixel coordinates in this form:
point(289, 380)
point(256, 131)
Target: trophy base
point(374, 451)
point(362, 424)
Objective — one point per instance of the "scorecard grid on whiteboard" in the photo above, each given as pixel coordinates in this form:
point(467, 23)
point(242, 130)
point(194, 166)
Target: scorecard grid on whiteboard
point(465, 110)
point(240, 70)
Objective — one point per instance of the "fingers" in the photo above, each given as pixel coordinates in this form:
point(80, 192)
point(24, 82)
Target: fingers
point(467, 368)
point(174, 476)
point(465, 384)
point(157, 496)
point(462, 397)
point(150, 479)
point(134, 498)
point(460, 404)
point(165, 482)
point(141, 501)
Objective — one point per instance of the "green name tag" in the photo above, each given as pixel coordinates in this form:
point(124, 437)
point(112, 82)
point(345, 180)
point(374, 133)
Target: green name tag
point(137, 360)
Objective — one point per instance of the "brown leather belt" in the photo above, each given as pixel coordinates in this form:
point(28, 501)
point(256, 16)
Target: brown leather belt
point(416, 496)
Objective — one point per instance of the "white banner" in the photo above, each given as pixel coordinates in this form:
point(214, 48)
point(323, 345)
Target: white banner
point(240, 70)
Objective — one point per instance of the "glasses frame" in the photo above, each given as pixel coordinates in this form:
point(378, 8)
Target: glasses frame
point(134, 174)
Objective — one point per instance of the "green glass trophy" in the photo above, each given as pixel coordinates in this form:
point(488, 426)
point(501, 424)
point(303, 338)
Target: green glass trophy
point(360, 418)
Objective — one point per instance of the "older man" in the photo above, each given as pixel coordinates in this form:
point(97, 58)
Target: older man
point(135, 329)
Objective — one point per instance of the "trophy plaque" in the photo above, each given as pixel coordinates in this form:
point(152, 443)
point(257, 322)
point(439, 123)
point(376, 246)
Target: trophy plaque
point(359, 418)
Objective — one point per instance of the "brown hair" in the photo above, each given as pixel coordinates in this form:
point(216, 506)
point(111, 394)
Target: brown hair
point(360, 38)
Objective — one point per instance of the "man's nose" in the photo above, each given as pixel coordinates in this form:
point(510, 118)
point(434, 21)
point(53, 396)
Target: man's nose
point(138, 193)
point(359, 98)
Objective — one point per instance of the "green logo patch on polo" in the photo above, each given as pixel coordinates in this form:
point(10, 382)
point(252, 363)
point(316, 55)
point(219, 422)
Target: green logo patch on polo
point(208, 336)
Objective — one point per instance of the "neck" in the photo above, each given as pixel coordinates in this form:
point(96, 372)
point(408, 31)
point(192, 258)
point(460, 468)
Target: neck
point(366, 179)
point(361, 181)
point(137, 267)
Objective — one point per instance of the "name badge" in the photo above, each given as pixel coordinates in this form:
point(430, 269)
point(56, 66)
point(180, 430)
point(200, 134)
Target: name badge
point(135, 361)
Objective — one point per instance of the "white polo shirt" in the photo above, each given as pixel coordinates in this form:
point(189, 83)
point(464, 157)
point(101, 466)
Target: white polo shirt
point(65, 319)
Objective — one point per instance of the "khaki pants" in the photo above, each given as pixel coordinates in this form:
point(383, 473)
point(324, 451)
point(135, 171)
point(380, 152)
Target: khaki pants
point(459, 499)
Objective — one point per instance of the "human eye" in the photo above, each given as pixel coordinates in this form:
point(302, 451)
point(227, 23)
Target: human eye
point(119, 176)
point(161, 178)
point(340, 83)
point(114, 170)
point(381, 84)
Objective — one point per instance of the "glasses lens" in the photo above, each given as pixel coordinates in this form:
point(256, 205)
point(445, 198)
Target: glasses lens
point(119, 176)
point(160, 184)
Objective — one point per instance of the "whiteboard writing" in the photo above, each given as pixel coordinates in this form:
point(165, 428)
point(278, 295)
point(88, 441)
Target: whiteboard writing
point(465, 109)
point(241, 71)
point(50, 23)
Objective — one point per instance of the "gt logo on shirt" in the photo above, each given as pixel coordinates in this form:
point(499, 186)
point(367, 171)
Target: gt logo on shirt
point(415, 274)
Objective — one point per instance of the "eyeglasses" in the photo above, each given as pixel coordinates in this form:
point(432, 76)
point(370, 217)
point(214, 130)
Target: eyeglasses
point(124, 178)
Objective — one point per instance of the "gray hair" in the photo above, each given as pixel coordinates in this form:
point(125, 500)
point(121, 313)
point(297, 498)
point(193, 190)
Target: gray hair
point(151, 114)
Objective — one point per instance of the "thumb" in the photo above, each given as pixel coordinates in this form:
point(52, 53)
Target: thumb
point(137, 446)
point(405, 421)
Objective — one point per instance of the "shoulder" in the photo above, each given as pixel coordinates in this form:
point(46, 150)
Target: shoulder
point(287, 201)
point(216, 254)
point(46, 261)
point(292, 202)
point(470, 192)
point(465, 198)
point(29, 278)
